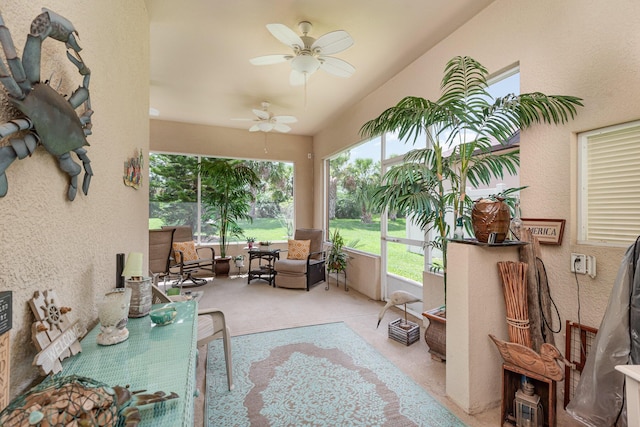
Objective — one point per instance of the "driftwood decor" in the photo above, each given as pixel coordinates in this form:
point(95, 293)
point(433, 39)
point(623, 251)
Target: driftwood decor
point(53, 333)
point(539, 300)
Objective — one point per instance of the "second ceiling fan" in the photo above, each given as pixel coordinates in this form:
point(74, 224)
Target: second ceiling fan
point(309, 54)
point(265, 121)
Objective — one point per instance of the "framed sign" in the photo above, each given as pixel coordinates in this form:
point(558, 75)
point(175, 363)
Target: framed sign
point(5, 311)
point(548, 231)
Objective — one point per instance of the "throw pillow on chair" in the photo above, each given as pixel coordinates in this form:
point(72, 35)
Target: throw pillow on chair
point(298, 249)
point(188, 250)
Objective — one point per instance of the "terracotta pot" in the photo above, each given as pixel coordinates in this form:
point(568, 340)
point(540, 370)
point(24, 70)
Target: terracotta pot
point(435, 335)
point(490, 216)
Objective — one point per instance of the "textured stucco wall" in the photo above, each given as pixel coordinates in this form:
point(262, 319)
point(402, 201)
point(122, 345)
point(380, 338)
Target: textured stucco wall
point(585, 48)
point(47, 241)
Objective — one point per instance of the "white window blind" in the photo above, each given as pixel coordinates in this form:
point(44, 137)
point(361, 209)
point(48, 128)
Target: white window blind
point(610, 185)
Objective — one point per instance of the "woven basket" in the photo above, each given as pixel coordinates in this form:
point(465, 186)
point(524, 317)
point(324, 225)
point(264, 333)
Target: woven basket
point(435, 335)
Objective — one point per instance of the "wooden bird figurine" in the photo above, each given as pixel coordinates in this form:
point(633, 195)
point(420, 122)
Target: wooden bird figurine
point(545, 363)
point(397, 298)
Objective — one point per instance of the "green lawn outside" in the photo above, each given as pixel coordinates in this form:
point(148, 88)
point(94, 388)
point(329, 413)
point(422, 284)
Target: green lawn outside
point(401, 261)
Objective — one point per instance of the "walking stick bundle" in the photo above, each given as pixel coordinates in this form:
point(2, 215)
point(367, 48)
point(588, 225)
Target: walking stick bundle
point(514, 287)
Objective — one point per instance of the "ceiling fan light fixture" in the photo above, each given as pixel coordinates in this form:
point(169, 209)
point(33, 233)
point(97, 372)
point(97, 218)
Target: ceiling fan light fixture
point(305, 64)
point(265, 126)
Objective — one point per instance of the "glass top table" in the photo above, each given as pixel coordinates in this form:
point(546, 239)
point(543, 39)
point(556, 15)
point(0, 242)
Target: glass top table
point(153, 358)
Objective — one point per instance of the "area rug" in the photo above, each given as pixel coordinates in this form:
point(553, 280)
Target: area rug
point(323, 375)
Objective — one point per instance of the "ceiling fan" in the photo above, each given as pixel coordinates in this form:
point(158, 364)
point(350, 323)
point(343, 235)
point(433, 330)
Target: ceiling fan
point(266, 121)
point(309, 54)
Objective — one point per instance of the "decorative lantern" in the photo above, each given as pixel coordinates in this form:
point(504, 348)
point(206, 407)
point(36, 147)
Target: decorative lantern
point(140, 286)
point(528, 407)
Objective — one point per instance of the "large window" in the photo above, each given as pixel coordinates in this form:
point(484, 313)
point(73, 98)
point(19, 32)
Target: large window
point(175, 198)
point(609, 185)
point(353, 175)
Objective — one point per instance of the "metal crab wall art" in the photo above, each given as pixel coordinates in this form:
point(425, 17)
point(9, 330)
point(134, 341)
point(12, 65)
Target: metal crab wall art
point(49, 118)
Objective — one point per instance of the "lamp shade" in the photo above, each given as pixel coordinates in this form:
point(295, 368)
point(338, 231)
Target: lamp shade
point(133, 266)
point(305, 64)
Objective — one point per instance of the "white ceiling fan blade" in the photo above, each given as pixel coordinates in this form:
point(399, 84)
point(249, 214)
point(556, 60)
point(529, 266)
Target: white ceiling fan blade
point(336, 66)
point(286, 35)
point(281, 128)
point(285, 119)
point(333, 42)
point(270, 59)
point(242, 120)
point(254, 128)
point(264, 115)
point(265, 126)
point(296, 78)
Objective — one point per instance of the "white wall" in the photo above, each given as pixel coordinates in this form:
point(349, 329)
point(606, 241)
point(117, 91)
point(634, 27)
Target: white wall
point(48, 242)
point(586, 48)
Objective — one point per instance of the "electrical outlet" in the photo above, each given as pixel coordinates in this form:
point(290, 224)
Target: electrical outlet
point(578, 263)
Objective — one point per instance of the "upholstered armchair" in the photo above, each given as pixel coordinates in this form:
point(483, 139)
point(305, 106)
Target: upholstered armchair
point(303, 266)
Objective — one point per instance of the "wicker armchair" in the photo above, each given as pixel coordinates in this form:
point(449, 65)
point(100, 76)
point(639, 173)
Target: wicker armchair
point(303, 273)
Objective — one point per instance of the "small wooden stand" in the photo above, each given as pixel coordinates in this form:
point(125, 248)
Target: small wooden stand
point(544, 387)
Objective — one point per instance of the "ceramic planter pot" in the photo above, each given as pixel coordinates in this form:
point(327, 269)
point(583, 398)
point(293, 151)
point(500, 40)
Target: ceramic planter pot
point(435, 335)
point(490, 216)
point(222, 266)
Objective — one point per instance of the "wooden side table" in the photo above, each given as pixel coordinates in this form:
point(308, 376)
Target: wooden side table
point(264, 271)
point(544, 387)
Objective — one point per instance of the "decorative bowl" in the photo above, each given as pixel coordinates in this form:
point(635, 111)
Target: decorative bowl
point(164, 315)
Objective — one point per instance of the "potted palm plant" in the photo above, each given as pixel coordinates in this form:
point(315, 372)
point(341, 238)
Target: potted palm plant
point(461, 128)
point(226, 191)
point(336, 258)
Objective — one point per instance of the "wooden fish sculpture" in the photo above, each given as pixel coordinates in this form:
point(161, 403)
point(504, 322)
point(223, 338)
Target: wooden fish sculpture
point(545, 363)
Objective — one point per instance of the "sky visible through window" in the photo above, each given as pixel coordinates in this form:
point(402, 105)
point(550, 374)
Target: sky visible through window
point(499, 86)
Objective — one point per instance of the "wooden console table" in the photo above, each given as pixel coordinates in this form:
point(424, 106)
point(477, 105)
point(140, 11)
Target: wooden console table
point(153, 358)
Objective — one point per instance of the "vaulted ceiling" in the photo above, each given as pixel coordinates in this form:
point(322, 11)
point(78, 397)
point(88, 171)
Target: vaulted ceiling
point(200, 51)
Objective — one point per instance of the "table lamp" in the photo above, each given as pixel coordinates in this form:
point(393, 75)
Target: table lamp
point(140, 286)
point(112, 312)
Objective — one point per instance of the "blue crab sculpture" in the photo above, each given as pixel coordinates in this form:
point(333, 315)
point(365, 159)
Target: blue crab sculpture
point(49, 118)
